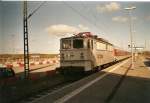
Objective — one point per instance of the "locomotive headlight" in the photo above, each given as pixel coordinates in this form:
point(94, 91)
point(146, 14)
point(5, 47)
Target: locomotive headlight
point(81, 55)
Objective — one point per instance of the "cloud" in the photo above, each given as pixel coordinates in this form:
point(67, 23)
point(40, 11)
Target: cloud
point(111, 7)
point(120, 19)
point(83, 28)
point(62, 29)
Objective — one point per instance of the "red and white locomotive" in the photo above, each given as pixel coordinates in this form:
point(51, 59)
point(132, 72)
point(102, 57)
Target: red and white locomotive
point(87, 52)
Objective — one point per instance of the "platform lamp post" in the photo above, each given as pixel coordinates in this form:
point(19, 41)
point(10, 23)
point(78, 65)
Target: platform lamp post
point(134, 49)
point(129, 9)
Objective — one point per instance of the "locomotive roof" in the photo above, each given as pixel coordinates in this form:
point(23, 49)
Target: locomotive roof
point(92, 37)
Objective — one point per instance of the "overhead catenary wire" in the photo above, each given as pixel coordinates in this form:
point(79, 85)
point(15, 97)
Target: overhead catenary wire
point(36, 9)
point(92, 14)
point(83, 16)
point(90, 11)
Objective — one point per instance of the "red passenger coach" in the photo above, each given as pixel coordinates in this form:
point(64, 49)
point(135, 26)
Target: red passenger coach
point(118, 52)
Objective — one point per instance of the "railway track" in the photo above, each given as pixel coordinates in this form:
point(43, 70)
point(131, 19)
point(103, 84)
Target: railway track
point(46, 91)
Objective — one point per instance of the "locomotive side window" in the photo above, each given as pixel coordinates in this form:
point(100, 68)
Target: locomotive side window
point(66, 44)
point(78, 43)
point(109, 48)
point(100, 46)
point(92, 44)
point(88, 44)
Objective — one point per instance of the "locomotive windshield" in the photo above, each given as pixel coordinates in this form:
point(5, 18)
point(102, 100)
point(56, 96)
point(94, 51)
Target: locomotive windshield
point(66, 44)
point(78, 43)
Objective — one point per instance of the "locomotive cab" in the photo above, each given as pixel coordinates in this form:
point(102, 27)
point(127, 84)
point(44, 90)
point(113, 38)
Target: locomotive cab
point(75, 53)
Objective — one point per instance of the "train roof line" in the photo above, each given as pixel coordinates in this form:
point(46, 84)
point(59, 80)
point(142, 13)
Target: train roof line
point(93, 37)
point(104, 40)
point(88, 35)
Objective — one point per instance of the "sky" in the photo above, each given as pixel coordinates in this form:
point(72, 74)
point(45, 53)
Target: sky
point(0, 28)
point(55, 20)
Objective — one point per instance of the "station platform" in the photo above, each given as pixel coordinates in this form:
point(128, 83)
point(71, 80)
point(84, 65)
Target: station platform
point(117, 84)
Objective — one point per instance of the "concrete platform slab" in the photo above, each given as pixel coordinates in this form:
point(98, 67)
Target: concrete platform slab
point(99, 89)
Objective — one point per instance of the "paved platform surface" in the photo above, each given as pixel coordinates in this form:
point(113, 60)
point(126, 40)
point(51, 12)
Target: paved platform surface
point(116, 84)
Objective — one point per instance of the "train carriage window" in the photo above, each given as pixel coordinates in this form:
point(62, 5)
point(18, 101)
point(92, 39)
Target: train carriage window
point(100, 46)
point(88, 43)
point(78, 43)
point(66, 44)
point(92, 44)
point(109, 48)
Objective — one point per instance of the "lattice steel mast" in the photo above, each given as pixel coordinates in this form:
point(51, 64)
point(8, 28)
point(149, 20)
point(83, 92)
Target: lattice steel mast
point(26, 44)
point(25, 31)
